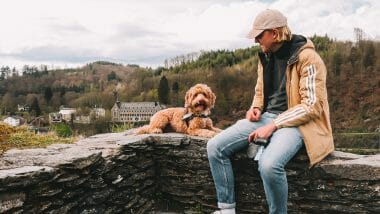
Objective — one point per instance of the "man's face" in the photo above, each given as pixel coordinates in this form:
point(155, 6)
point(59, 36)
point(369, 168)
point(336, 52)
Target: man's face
point(266, 40)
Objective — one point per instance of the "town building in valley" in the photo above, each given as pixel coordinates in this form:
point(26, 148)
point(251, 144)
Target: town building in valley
point(67, 113)
point(133, 112)
point(14, 121)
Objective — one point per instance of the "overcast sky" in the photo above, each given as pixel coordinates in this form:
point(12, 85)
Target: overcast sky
point(71, 33)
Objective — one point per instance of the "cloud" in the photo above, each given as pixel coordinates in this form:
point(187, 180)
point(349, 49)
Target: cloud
point(147, 32)
point(65, 28)
point(334, 18)
point(52, 53)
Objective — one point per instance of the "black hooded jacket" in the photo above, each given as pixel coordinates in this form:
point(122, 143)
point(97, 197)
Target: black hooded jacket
point(274, 65)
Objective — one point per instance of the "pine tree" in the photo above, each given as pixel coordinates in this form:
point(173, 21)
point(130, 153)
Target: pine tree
point(354, 56)
point(48, 94)
point(369, 56)
point(175, 89)
point(111, 76)
point(337, 62)
point(163, 90)
point(35, 107)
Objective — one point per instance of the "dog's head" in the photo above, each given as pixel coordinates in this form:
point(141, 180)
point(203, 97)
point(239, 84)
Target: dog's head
point(200, 99)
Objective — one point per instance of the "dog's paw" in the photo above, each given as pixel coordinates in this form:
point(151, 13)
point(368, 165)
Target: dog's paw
point(208, 134)
point(217, 130)
point(155, 131)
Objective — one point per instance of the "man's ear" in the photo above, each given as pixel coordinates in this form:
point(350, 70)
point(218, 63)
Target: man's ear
point(274, 33)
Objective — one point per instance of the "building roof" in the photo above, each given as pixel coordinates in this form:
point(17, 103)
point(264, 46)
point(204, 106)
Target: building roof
point(140, 105)
point(15, 117)
point(67, 111)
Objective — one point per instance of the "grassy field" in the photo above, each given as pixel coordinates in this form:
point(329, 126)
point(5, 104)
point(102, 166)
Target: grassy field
point(22, 137)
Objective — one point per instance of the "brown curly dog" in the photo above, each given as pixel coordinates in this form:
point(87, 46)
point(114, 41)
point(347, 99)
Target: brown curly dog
point(193, 119)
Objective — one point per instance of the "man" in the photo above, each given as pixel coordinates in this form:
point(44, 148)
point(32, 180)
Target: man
point(289, 107)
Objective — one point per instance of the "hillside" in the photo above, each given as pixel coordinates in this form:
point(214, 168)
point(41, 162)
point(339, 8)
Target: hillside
point(353, 84)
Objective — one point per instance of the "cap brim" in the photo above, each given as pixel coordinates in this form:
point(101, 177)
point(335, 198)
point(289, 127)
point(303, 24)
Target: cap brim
point(254, 33)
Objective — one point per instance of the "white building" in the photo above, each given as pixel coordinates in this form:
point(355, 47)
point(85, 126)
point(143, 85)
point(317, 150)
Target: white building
point(67, 113)
point(22, 107)
point(98, 112)
point(134, 111)
point(14, 120)
point(55, 117)
point(85, 119)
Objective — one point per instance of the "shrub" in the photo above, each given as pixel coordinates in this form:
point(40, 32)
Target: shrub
point(5, 131)
point(22, 137)
point(121, 127)
point(62, 130)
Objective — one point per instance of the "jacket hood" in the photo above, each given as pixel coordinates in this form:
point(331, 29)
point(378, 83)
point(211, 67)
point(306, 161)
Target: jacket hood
point(299, 43)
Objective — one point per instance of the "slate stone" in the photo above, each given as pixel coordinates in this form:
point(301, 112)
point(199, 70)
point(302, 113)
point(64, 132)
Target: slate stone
point(169, 173)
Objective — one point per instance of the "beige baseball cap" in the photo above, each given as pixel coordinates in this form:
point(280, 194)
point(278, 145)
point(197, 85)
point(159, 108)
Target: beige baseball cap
point(267, 19)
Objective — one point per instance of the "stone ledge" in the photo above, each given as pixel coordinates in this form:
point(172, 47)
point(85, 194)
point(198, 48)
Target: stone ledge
point(351, 166)
point(124, 173)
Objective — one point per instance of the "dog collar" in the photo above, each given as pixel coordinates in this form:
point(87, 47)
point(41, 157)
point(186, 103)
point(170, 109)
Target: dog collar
point(189, 116)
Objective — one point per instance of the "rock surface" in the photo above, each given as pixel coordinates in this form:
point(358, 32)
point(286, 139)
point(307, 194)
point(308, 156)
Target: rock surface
point(126, 173)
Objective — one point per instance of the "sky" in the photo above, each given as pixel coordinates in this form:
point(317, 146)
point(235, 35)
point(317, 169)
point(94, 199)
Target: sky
point(71, 33)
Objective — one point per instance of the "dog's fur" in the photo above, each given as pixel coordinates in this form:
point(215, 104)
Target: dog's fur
point(199, 100)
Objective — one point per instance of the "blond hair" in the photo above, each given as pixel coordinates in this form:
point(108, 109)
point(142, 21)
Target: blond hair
point(284, 34)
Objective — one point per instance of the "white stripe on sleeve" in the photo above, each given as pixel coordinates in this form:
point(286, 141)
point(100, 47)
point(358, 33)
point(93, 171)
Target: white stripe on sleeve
point(310, 85)
point(295, 113)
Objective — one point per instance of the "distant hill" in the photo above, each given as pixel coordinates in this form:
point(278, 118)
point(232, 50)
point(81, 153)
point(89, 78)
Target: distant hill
point(353, 83)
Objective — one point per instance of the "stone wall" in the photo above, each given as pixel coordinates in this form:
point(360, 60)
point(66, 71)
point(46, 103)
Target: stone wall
point(124, 173)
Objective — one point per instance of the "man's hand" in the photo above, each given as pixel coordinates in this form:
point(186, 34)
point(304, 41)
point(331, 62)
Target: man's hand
point(262, 132)
point(253, 114)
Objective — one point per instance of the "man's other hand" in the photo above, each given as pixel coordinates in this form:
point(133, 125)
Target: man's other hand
point(253, 114)
point(263, 132)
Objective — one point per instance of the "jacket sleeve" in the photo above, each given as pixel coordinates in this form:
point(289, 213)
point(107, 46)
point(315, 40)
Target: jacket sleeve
point(258, 99)
point(312, 90)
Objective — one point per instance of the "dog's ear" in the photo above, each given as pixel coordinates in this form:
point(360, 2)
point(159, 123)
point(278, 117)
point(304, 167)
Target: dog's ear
point(188, 96)
point(212, 97)
point(209, 94)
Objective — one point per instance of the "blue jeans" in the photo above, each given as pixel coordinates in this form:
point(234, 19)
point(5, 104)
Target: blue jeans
point(284, 144)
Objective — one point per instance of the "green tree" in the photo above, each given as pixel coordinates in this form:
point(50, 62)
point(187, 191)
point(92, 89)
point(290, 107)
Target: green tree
point(62, 91)
point(354, 56)
point(8, 102)
point(35, 107)
point(158, 71)
point(175, 89)
point(369, 56)
point(48, 94)
point(163, 90)
point(111, 76)
point(5, 71)
point(2, 75)
point(321, 43)
point(337, 62)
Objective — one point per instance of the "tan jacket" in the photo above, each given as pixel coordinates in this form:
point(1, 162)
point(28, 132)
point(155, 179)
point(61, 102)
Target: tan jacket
point(308, 107)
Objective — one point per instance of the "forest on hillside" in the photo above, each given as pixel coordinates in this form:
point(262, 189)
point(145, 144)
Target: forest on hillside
point(353, 84)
